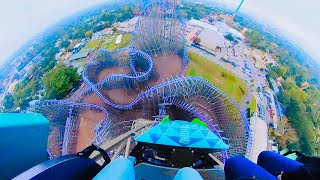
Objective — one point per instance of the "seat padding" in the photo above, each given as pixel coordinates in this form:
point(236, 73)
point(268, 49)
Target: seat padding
point(65, 167)
point(118, 169)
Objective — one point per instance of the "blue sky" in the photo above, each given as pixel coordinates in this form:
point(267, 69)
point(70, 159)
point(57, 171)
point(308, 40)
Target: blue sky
point(21, 20)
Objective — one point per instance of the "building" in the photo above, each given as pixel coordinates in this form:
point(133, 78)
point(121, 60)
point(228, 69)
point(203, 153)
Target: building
point(236, 33)
point(66, 56)
point(97, 35)
point(79, 55)
point(260, 65)
point(211, 40)
point(119, 39)
point(274, 86)
point(257, 55)
point(305, 85)
point(261, 59)
point(278, 81)
point(58, 55)
point(101, 33)
point(192, 33)
point(261, 56)
point(100, 23)
point(127, 26)
point(202, 24)
point(107, 31)
point(78, 46)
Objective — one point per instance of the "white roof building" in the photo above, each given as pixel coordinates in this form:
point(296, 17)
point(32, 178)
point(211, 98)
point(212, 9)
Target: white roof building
point(97, 35)
point(127, 26)
point(78, 45)
point(210, 36)
point(119, 39)
point(236, 33)
point(194, 22)
point(211, 39)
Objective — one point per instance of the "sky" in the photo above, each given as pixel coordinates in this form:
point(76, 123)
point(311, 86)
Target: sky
point(297, 19)
point(22, 20)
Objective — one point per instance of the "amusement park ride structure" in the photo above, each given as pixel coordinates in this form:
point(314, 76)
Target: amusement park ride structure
point(159, 34)
point(231, 19)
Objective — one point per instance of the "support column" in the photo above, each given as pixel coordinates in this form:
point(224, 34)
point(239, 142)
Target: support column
point(120, 148)
point(127, 147)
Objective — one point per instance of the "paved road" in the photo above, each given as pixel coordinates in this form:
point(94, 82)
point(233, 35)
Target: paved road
point(259, 81)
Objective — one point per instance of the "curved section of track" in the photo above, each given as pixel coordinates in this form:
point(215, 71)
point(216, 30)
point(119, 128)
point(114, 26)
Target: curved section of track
point(161, 30)
point(115, 81)
point(184, 88)
point(64, 113)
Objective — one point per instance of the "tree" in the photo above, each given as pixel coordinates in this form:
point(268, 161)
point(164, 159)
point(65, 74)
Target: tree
point(107, 24)
point(229, 37)
point(25, 92)
point(107, 17)
point(272, 47)
point(65, 43)
point(114, 29)
point(313, 80)
point(89, 34)
point(281, 70)
point(299, 80)
point(289, 136)
point(254, 38)
point(8, 102)
point(257, 40)
point(59, 81)
point(197, 40)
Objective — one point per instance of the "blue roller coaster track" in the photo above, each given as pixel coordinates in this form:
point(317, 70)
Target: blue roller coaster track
point(160, 30)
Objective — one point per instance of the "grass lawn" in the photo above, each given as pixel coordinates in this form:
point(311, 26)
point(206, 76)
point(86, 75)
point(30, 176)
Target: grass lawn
point(124, 43)
point(215, 74)
point(108, 42)
point(95, 44)
point(81, 60)
point(253, 104)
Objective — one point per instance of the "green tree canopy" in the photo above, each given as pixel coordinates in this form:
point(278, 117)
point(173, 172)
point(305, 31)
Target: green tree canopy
point(300, 79)
point(89, 34)
point(59, 81)
point(197, 40)
point(281, 70)
point(25, 92)
point(314, 80)
point(257, 40)
point(229, 37)
point(8, 102)
point(65, 43)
